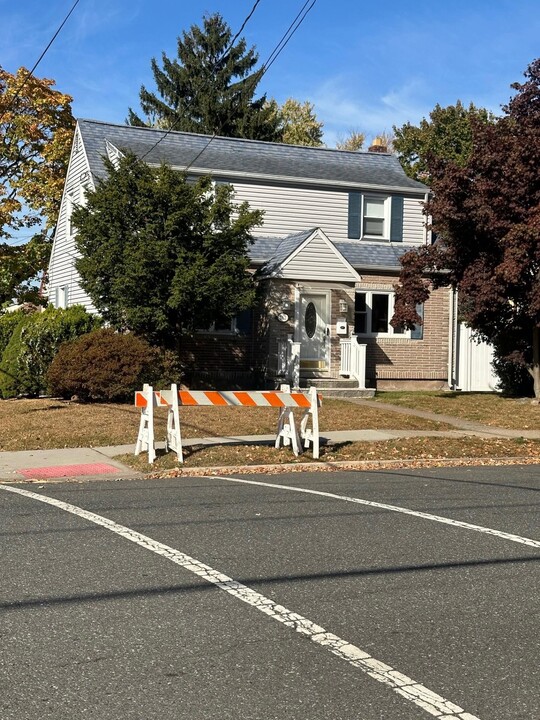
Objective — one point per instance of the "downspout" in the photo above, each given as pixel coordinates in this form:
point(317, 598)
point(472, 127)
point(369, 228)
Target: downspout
point(452, 339)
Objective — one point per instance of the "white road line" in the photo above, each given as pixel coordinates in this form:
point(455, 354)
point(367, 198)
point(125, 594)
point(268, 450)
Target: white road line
point(384, 506)
point(412, 691)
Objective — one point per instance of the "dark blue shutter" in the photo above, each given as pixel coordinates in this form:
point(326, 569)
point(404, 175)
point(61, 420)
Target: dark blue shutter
point(243, 322)
point(355, 209)
point(396, 219)
point(417, 333)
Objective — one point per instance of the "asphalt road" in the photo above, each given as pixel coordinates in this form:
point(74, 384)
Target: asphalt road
point(141, 617)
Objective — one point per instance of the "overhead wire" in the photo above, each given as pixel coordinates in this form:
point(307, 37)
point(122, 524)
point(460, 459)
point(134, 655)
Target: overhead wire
point(293, 27)
point(40, 58)
point(235, 38)
point(265, 67)
point(284, 40)
point(223, 55)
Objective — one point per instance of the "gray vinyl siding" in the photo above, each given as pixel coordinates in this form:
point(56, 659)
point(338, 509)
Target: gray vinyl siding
point(290, 209)
point(414, 221)
point(317, 261)
point(62, 272)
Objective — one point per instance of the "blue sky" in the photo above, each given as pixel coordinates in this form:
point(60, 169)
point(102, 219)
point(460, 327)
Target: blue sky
point(364, 65)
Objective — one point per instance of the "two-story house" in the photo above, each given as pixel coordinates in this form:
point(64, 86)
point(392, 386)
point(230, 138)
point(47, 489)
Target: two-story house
point(326, 257)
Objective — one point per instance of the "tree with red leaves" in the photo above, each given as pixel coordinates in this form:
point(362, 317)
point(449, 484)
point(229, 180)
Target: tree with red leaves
point(486, 214)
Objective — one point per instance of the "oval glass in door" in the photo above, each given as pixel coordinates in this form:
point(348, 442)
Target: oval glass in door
point(310, 319)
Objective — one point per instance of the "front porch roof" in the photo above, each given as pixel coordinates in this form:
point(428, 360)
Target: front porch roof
point(269, 252)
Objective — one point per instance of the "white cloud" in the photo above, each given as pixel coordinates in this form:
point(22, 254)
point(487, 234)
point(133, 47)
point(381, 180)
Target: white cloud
point(342, 110)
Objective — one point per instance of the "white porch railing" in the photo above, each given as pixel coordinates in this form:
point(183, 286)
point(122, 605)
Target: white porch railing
point(288, 361)
point(353, 360)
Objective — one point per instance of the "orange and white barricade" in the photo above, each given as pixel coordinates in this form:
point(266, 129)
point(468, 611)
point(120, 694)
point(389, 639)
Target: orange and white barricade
point(287, 433)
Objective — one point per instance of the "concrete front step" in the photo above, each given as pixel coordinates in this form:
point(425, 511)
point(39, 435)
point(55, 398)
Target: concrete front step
point(333, 392)
point(328, 383)
point(336, 387)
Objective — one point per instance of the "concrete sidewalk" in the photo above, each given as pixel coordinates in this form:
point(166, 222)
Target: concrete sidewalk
point(99, 461)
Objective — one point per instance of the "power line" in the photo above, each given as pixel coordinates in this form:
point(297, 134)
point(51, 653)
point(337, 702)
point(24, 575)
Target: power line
point(271, 59)
point(31, 72)
point(224, 54)
point(235, 38)
point(299, 19)
point(276, 52)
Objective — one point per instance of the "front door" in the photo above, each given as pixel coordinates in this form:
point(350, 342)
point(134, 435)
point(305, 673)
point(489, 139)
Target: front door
point(313, 331)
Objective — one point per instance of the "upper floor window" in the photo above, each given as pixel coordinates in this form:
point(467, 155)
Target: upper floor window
point(373, 311)
point(375, 217)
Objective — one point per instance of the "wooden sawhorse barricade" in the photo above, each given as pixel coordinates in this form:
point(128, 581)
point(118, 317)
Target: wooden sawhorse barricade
point(287, 432)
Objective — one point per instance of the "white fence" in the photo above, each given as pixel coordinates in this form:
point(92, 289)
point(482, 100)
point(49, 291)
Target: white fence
point(474, 370)
point(353, 360)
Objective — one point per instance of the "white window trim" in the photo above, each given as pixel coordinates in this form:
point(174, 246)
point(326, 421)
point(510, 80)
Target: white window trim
point(406, 335)
point(62, 297)
point(387, 212)
point(212, 329)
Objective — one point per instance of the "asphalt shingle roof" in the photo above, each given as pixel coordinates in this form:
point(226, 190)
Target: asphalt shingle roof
point(365, 255)
point(235, 156)
point(271, 252)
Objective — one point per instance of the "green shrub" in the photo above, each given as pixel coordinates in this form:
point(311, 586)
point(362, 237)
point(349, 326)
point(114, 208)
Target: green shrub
point(168, 369)
point(8, 324)
point(32, 347)
point(9, 367)
point(514, 378)
point(103, 366)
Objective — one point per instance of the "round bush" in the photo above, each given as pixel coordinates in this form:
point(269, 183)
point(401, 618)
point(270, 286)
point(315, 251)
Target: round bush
point(102, 366)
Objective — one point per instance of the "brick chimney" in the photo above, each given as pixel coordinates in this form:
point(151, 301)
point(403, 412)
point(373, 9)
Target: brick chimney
point(378, 146)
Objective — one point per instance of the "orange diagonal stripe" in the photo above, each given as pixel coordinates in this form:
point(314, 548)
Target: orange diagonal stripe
point(273, 399)
point(140, 400)
point(301, 399)
point(215, 398)
point(186, 398)
point(245, 399)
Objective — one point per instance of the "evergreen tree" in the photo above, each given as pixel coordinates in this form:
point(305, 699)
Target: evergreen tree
point(209, 88)
point(161, 256)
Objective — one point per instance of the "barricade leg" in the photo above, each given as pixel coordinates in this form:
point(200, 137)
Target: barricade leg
point(311, 435)
point(145, 438)
point(286, 430)
point(174, 439)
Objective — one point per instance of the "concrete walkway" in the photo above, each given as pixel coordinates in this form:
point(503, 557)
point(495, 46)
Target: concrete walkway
point(95, 462)
point(467, 427)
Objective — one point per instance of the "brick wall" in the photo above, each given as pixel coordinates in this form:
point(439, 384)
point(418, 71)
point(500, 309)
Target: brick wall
point(391, 362)
point(397, 362)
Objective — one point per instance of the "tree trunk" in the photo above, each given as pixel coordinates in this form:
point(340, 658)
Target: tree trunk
point(535, 368)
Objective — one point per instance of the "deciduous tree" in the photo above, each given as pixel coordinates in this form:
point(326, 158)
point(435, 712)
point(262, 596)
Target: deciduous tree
point(486, 209)
point(209, 88)
point(447, 135)
point(354, 141)
point(36, 130)
point(22, 267)
point(298, 123)
point(162, 256)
